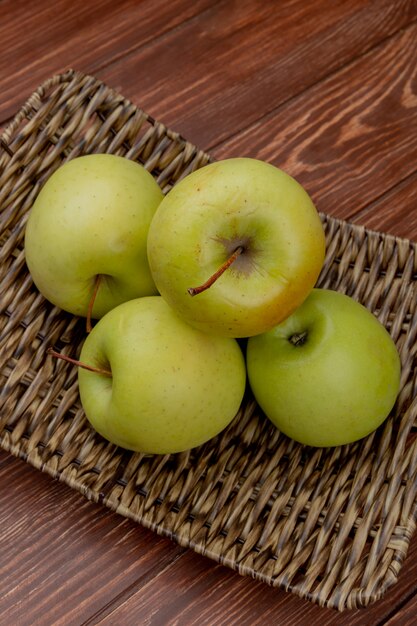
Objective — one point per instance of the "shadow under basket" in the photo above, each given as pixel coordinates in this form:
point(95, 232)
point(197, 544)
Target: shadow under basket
point(330, 525)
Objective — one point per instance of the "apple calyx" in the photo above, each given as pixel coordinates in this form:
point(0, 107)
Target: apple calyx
point(88, 325)
point(68, 359)
point(193, 291)
point(298, 339)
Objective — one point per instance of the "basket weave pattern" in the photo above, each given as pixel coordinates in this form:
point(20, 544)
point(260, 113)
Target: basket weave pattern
point(331, 525)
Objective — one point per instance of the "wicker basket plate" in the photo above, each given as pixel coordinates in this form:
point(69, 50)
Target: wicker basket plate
point(331, 525)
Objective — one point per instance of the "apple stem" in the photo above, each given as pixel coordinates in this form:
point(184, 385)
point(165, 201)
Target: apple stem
point(299, 339)
point(193, 291)
point(89, 327)
point(68, 359)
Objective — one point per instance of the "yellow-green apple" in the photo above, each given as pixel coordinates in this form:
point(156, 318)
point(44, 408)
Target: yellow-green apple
point(91, 219)
point(169, 387)
point(329, 374)
point(236, 246)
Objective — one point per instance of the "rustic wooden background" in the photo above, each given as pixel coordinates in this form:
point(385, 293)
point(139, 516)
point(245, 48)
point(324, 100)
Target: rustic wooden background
point(325, 89)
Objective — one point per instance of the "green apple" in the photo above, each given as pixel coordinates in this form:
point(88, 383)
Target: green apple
point(251, 218)
point(91, 219)
point(172, 387)
point(329, 374)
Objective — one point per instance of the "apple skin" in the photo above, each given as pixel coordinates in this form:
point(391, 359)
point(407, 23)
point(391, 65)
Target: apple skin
point(92, 218)
point(212, 211)
point(173, 387)
point(335, 388)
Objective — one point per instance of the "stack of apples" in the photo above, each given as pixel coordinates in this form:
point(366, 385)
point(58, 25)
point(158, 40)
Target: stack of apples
point(232, 252)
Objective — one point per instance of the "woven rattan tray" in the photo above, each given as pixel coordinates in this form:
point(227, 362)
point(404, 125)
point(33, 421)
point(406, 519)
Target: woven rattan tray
point(331, 525)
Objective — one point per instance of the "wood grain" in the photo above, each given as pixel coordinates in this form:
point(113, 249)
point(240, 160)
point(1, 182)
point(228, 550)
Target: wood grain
point(193, 590)
point(82, 35)
point(406, 616)
point(173, 105)
point(350, 138)
point(62, 558)
point(5, 459)
point(394, 212)
point(244, 58)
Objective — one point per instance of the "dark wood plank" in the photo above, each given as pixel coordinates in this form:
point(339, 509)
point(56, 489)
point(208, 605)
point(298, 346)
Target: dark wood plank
point(350, 138)
point(394, 212)
point(243, 59)
point(63, 558)
point(5, 459)
point(195, 591)
point(405, 616)
point(82, 35)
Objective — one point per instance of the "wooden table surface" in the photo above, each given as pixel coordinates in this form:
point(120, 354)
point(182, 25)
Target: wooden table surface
point(326, 90)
